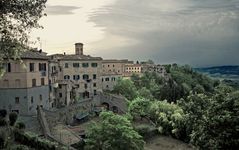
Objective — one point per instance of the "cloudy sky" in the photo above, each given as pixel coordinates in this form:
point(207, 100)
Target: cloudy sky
point(196, 32)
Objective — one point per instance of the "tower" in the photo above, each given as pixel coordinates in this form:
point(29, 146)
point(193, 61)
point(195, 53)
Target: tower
point(78, 48)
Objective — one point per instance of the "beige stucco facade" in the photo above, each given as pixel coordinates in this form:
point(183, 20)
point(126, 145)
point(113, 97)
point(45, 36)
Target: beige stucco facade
point(24, 84)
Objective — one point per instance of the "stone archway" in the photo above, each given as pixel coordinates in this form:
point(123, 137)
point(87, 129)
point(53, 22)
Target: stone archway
point(106, 105)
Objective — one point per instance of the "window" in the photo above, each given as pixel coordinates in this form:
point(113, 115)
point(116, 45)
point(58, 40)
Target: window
point(60, 94)
point(66, 65)
point(34, 82)
point(94, 65)
point(66, 77)
point(32, 100)
point(42, 66)
point(113, 65)
point(85, 77)
point(108, 65)
point(94, 85)
point(76, 65)
point(95, 93)
point(42, 81)
point(31, 67)
point(40, 97)
point(76, 77)
point(86, 86)
point(60, 86)
point(102, 79)
point(113, 79)
point(94, 76)
point(17, 100)
point(107, 79)
point(85, 65)
point(9, 67)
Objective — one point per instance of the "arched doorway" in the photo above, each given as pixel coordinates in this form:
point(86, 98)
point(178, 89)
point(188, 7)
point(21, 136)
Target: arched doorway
point(105, 105)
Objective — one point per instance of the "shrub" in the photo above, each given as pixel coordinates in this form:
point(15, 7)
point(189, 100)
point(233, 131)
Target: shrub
point(20, 125)
point(31, 140)
point(12, 118)
point(3, 122)
point(2, 139)
point(19, 147)
point(168, 117)
point(3, 113)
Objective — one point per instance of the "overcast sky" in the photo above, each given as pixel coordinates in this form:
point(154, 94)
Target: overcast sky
point(196, 32)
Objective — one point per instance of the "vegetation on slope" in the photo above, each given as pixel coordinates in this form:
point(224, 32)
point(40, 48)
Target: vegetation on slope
point(189, 106)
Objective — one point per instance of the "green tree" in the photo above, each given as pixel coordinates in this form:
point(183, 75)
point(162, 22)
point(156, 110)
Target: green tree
point(113, 132)
point(17, 18)
point(12, 118)
point(139, 107)
point(168, 117)
point(145, 93)
point(126, 88)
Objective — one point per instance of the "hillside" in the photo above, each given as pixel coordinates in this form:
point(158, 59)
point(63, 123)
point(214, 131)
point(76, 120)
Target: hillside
point(221, 72)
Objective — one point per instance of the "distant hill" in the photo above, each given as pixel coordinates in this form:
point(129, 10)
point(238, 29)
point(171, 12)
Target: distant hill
point(221, 72)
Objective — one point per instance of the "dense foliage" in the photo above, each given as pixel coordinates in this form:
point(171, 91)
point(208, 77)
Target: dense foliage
point(17, 18)
point(113, 132)
point(189, 106)
point(126, 88)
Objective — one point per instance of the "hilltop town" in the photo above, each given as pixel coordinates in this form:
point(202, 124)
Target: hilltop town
point(60, 80)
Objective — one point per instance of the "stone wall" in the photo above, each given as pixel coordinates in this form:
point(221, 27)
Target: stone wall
point(65, 115)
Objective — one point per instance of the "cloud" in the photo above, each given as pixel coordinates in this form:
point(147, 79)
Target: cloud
point(60, 10)
point(200, 33)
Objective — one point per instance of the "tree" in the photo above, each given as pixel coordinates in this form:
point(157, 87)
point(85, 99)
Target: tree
point(12, 118)
point(145, 93)
point(126, 88)
point(113, 132)
point(139, 107)
point(17, 18)
point(168, 117)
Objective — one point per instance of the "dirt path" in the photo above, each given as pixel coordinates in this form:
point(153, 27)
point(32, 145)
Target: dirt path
point(167, 143)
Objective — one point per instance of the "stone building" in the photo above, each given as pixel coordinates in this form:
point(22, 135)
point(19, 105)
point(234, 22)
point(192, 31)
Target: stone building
point(131, 69)
point(159, 69)
point(25, 84)
point(112, 70)
point(80, 74)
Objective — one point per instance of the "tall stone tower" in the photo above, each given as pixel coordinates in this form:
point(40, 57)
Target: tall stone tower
point(78, 48)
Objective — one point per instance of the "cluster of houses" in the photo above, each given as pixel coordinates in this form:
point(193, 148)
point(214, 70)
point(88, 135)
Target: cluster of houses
point(53, 81)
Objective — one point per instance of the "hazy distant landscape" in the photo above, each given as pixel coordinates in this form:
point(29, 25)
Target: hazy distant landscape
point(221, 72)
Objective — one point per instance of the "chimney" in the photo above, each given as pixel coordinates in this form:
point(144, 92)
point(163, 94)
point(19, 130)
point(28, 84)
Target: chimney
point(78, 48)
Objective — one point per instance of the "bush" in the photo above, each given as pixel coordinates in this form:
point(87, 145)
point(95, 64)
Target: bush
point(31, 140)
point(20, 125)
point(12, 118)
point(168, 117)
point(2, 139)
point(3, 122)
point(19, 147)
point(3, 113)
